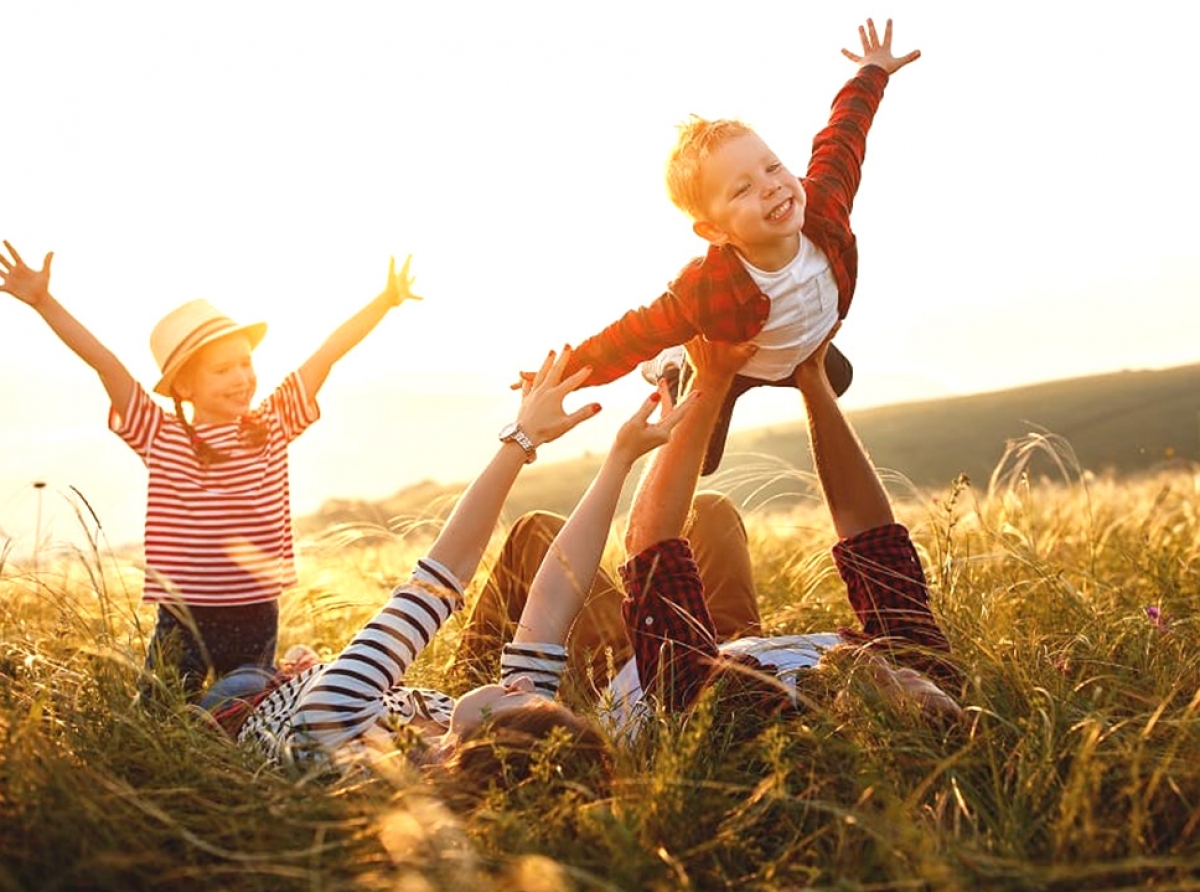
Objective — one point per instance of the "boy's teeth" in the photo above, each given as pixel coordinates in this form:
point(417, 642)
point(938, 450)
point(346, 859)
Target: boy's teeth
point(781, 210)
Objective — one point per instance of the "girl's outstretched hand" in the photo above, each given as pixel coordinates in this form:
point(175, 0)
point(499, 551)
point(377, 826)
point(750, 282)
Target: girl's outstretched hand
point(639, 435)
point(542, 415)
point(399, 286)
point(23, 283)
point(879, 52)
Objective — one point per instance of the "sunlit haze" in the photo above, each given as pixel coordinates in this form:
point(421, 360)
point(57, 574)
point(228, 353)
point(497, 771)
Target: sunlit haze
point(1026, 211)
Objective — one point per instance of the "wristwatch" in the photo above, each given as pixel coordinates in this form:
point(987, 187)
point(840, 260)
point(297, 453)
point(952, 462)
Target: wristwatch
point(514, 433)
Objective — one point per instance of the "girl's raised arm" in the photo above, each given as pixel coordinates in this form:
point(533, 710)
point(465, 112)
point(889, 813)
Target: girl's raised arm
point(346, 336)
point(33, 287)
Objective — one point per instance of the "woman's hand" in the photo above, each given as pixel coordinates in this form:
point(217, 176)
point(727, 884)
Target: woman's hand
point(542, 415)
point(639, 435)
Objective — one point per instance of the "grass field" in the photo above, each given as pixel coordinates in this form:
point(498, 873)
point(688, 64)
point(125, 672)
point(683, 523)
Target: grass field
point(1078, 766)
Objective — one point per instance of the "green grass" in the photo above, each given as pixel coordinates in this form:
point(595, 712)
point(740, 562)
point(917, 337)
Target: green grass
point(1078, 767)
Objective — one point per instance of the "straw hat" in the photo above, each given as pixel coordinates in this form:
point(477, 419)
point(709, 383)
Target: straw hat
point(185, 330)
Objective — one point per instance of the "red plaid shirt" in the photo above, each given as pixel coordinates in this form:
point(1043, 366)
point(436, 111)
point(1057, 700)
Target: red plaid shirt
point(714, 294)
point(674, 641)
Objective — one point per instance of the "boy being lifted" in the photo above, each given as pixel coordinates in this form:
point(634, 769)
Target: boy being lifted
point(782, 260)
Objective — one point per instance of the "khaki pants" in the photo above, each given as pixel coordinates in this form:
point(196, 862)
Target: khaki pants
point(598, 639)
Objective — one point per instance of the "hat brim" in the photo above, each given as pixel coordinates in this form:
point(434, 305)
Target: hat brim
point(254, 331)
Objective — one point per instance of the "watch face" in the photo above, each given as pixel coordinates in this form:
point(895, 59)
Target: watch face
point(508, 430)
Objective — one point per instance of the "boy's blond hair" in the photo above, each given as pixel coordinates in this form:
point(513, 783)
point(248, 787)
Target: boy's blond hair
point(697, 139)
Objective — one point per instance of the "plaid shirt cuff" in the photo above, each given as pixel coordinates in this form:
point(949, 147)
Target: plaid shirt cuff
point(888, 591)
point(667, 619)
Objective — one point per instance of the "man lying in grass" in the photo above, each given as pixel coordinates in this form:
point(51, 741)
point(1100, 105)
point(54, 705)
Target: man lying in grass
point(359, 705)
point(688, 619)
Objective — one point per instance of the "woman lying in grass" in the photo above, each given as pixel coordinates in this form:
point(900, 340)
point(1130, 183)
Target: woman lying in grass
point(358, 703)
point(687, 599)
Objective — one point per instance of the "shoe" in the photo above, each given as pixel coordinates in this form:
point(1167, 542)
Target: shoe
point(838, 370)
point(661, 366)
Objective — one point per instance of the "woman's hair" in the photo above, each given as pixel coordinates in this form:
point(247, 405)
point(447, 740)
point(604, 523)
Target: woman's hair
point(542, 742)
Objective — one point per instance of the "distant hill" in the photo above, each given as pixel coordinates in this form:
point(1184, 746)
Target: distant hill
point(1122, 423)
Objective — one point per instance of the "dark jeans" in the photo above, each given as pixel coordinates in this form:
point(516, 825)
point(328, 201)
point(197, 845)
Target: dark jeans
point(193, 641)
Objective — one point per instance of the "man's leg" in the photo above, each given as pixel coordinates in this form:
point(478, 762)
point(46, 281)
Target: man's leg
point(718, 539)
point(493, 620)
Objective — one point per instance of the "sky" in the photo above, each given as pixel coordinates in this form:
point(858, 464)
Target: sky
point(1027, 209)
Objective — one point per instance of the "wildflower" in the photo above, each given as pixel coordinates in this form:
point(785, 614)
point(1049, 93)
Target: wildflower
point(1158, 618)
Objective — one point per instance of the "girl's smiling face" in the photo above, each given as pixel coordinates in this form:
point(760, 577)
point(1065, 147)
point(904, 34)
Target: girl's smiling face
point(219, 381)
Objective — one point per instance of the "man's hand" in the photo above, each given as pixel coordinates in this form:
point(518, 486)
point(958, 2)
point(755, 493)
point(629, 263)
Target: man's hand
point(716, 362)
point(811, 372)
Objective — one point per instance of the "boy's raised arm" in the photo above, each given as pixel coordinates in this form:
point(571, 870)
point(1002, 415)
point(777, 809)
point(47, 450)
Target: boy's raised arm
point(33, 287)
point(839, 148)
point(346, 336)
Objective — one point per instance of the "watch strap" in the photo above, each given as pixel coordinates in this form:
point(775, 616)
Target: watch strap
point(516, 434)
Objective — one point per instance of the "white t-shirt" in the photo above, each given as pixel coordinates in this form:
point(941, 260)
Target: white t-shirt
point(620, 708)
point(804, 308)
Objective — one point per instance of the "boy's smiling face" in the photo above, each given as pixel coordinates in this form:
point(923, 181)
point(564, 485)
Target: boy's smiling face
point(752, 202)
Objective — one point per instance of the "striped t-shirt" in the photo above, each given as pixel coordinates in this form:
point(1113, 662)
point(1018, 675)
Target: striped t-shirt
point(360, 697)
point(219, 535)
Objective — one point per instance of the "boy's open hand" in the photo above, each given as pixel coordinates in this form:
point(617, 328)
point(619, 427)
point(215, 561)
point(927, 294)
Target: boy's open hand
point(399, 286)
point(877, 52)
point(23, 283)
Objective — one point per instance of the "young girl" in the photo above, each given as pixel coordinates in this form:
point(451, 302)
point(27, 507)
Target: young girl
point(218, 538)
point(359, 703)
